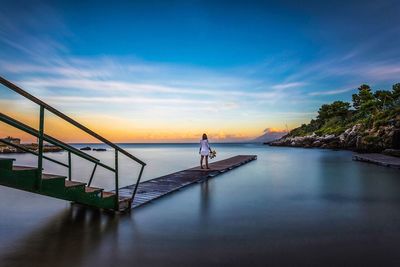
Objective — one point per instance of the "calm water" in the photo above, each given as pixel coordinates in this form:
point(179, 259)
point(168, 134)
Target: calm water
point(290, 207)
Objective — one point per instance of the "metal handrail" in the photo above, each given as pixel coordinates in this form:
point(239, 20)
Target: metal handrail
point(42, 137)
point(32, 152)
point(32, 131)
point(22, 92)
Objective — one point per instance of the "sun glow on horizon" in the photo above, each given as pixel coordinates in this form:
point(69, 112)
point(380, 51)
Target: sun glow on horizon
point(121, 131)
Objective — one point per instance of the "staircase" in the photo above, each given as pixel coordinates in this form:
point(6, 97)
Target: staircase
point(33, 179)
point(28, 179)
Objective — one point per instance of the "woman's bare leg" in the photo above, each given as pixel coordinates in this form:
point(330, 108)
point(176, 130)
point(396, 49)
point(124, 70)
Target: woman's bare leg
point(206, 162)
point(201, 161)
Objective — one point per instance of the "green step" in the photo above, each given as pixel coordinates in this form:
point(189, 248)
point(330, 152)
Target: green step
point(57, 186)
point(53, 185)
point(19, 177)
point(6, 163)
point(97, 192)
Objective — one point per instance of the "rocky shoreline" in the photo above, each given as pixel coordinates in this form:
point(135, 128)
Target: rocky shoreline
point(355, 138)
point(32, 147)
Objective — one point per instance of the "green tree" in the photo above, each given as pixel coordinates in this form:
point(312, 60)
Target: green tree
point(336, 109)
point(396, 92)
point(383, 98)
point(364, 95)
point(371, 110)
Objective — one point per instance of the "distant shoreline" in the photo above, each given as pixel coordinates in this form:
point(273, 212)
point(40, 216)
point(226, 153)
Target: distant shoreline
point(49, 149)
point(31, 147)
point(172, 143)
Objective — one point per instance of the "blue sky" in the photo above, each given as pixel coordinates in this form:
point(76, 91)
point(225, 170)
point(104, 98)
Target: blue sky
point(169, 70)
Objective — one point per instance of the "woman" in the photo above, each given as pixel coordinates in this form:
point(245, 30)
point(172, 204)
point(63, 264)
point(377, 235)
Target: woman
point(204, 150)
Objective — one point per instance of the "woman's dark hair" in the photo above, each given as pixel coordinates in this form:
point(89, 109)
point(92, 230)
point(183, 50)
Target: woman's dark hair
point(204, 136)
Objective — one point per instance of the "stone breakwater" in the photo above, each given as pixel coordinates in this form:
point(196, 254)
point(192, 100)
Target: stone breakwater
point(355, 138)
point(32, 147)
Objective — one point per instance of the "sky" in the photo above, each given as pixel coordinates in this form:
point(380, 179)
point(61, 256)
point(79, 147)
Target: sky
point(167, 71)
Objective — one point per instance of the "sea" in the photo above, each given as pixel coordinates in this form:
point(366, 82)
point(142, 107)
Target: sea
point(290, 207)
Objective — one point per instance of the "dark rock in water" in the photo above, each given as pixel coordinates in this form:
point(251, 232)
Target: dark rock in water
point(99, 149)
point(86, 148)
point(49, 148)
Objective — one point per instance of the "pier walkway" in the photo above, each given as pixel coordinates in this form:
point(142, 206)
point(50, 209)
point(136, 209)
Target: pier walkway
point(379, 159)
point(153, 189)
point(69, 187)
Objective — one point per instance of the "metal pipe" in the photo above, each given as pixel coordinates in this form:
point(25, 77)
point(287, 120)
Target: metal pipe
point(51, 140)
point(116, 181)
point(91, 176)
point(32, 152)
point(40, 145)
point(137, 183)
point(47, 138)
point(69, 166)
point(22, 92)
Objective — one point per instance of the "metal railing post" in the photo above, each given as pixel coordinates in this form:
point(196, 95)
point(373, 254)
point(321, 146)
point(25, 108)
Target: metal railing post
point(116, 181)
point(91, 176)
point(137, 183)
point(40, 144)
point(69, 166)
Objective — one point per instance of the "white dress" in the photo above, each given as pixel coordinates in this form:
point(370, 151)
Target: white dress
point(204, 147)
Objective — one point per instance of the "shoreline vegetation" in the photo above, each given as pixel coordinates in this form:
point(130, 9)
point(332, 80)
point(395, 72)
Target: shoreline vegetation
point(371, 123)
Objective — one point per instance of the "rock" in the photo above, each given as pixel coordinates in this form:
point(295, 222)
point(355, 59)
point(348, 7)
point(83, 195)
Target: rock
point(33, 147)
point(392, 152)
point(328, 137)
point(48, 148)
point(99, 149)
point(355, 138)
point(396, 139)
point(317, 143)
point(342, 137)
point(86, 148)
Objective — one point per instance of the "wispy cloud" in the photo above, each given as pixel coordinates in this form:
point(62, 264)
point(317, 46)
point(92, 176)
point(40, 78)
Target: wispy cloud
point(124, 100)
point(332, 92)
point(108, 76)
point(289, 85)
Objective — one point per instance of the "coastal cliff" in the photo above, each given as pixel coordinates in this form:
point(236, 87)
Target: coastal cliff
point(370, 124)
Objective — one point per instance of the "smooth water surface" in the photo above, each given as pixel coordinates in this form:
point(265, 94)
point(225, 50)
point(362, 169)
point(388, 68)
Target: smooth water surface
point(289, 207)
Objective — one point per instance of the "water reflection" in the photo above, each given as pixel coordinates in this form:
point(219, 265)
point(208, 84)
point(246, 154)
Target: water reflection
point(205, 198)
point(65, 240)
point(290, 207)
